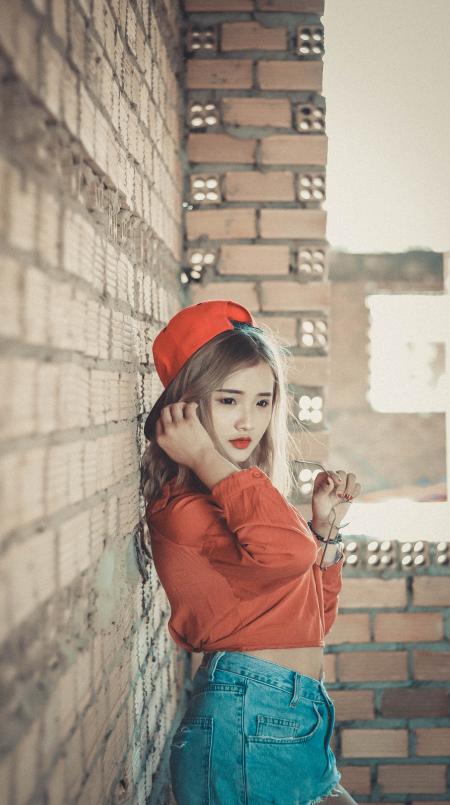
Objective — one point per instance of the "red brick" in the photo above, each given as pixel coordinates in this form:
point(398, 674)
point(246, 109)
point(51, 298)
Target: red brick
point(404, 627)
point(290, 75)
point(294, 149)
point(296, 6)
point(220, 224)
point(431, 591)
point(293, 223)
point(411, 778)
point(280, 295)
point(353, 704)
point(372, 666)
point(257, 186)
point(432, 741)
point(374, 743)
point(242, 292)
point(218, 5)
point(220, 148)
point(256, 112)
point(252, 36)
point(410, 703)
point(350, 629)
point(431, 665)
point(253, 259)
point(355, 779)
point(373, 593)
point(219, 73)
point(310, 371)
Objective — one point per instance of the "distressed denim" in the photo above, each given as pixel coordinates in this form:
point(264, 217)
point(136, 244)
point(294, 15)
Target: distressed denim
point(254, 732)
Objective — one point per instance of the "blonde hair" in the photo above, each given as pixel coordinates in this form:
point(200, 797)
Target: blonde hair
point(205, 371)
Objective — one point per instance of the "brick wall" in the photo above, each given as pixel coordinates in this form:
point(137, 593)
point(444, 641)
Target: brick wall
point(388, 670)
point(359, 434)
point(256, 137)
point(251, 98)
point(90, 231)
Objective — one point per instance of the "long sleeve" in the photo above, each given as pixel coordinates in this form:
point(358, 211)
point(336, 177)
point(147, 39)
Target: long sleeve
point(331, 585)
point(239, 566)
point(272, 539)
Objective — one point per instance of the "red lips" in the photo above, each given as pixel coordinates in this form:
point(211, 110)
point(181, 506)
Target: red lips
point(240, 443)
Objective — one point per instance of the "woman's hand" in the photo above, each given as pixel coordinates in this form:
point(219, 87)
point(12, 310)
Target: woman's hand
point(330, 489)
point(180, 433)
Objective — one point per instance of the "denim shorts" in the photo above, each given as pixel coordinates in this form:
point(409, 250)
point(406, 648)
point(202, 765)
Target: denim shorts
point(254, 732)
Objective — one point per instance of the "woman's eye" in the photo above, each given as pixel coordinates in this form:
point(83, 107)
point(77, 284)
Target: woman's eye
point(225, 400)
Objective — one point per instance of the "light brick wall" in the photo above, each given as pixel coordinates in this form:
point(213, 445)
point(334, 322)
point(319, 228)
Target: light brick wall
point(91, 240)
point(361, 434)
point(258, 83)
point(90, 231)
point(388, 671)
point(387, 658)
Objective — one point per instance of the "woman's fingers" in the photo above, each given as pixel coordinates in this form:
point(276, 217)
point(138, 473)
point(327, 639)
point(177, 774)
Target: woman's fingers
point(177, 412)
point(346, 484)
point(172, 412)
point(350, 481)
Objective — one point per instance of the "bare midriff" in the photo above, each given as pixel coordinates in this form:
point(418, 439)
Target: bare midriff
point(308, 660)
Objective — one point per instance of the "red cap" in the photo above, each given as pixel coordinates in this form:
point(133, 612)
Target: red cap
point(186, 332)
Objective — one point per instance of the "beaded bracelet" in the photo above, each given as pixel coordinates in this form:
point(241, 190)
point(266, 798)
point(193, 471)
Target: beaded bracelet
point(337, 538)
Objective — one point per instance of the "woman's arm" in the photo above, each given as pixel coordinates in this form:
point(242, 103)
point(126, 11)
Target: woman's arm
point(211, 467)
point(333, 553)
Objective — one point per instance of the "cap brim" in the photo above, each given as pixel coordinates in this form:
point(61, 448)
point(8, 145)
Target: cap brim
point(150, 422)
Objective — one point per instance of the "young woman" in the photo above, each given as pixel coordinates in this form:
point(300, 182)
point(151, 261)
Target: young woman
point(250, 583)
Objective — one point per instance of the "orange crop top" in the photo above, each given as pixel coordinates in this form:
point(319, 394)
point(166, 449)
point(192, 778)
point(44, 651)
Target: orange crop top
point(239, 567)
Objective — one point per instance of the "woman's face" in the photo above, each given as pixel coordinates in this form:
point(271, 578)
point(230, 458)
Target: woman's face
point(242, 408)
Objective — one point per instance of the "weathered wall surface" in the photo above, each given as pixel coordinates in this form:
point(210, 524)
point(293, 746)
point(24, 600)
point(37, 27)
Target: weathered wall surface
point(255, 232)
point(387, 450)
point(90, 227)
point(388, 668)
point(256, 182)
point(92, 174)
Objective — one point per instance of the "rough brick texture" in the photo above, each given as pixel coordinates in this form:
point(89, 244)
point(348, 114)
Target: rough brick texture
point(381, 677)
point(90, 242)
point(257, 112)
point(252, 36)
point(290, 75)
point(257, 186)
point(91, 227)
point(221, 74)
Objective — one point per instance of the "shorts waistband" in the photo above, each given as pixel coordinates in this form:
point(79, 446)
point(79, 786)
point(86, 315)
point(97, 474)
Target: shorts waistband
point(265, 671)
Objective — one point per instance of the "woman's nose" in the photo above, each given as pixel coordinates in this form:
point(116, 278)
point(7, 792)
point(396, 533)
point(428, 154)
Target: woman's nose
point(245, 421)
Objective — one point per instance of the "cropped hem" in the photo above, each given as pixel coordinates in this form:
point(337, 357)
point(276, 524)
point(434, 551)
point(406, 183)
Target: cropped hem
point(330, 792)
point(258, 646)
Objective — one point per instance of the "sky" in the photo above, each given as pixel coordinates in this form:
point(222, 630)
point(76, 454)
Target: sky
point(387, 89)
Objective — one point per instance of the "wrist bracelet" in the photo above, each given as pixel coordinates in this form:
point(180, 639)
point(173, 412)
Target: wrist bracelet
point(334, 541)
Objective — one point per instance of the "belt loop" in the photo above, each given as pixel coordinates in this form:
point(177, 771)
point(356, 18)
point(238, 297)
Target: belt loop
point(213, 664)
point(297, 687)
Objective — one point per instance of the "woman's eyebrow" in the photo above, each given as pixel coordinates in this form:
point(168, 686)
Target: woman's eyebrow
point(238, 391)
